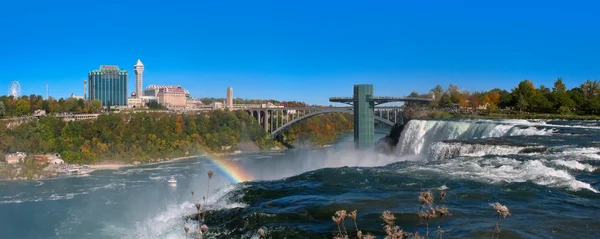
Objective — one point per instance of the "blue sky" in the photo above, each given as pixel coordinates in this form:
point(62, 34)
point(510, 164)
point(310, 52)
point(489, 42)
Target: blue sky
point(300, 50)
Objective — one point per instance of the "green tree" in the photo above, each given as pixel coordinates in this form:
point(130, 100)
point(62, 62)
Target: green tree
point(95, 106)
point(2, 108)
point(559, 86)
point(23, 107)
point(437, 92)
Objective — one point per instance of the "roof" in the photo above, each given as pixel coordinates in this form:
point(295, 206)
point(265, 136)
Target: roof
point(139, 63)
point(109, 69)
point(158, 87)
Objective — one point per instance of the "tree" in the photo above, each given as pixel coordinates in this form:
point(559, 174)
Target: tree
point(95, 106)
point(486, 100)
point(2, 108)
point(539, 103)
point(522, 103)
point(543, 90)
point(525, 89)
point(437, 92)
point(559, 86)
point(23, 107)
point(494, 97)
point(590, 88)
point(155, 106)
point(474, 101)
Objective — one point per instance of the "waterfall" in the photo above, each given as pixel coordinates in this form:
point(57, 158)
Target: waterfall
point(420, 136)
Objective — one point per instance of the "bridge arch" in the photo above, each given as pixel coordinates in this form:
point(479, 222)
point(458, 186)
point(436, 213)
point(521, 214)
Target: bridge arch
point(306, 116)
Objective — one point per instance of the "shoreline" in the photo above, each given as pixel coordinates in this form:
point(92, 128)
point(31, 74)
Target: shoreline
point(115, 165)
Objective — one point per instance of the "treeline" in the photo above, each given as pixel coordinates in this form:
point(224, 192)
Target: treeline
point(210, 100)
point(584, 99)
point(26, 105)
point(319, 130)
point(140, 136)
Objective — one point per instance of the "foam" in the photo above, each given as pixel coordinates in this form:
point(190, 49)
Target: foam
point(167, 222)
point(444, 150)
point(418, 135)
point(572, 164)
point(496, 170)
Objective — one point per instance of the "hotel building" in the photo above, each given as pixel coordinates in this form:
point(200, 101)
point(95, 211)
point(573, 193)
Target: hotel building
point(109, 85)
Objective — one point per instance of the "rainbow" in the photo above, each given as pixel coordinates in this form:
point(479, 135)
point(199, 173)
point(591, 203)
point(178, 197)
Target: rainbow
point(234, 172)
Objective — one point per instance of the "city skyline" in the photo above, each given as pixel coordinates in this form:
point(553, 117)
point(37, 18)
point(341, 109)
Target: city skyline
point(303, 52)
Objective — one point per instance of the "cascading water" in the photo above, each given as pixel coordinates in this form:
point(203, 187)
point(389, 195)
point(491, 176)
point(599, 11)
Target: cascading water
point(420, 136)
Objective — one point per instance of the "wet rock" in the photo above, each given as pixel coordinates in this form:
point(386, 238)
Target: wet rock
point(387, 144)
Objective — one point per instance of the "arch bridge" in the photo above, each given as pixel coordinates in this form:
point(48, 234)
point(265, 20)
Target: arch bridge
point(363, 103)
point(275, 120)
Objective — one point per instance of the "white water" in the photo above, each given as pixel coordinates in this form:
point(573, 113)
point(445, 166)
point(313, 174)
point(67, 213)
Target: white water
point(498, 169)
point(444, 150)
point(167, 222)
point(419, 135)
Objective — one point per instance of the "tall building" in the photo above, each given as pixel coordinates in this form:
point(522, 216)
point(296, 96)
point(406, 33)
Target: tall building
point(109, 85)
point(229, 99)
point(138, 68)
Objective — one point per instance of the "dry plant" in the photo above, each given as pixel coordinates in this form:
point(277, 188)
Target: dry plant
point(392, 231)
point(201, 214)
point(261, 233)
point(427, 211)
point(501, 211)
point(339, 219)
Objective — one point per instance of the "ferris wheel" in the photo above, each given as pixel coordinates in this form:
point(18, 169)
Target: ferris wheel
point(14, 89)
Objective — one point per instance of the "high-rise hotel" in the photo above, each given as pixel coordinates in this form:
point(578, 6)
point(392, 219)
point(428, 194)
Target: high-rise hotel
point(109, 85)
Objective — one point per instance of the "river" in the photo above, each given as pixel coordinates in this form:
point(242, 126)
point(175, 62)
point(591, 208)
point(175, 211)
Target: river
point(546, 172)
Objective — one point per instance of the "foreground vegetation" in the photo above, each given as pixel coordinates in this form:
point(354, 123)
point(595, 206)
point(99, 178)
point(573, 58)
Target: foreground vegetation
point(140, 137)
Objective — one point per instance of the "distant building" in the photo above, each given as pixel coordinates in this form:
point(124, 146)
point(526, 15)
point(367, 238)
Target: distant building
point(56, 160)
point(193, 103)
point(73, 96)
point(172, 97)
point(168, 95)
point(229, 99)
point(152, 90)
point(39, 113)
point(109, 85)
point(15, 158)
point(134, 101)
point(138, 68)
point(216, 105)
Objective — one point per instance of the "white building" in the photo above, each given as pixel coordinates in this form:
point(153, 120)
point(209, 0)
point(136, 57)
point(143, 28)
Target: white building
point(56, 161)
point(15, 158)
point(229, 99)
point(138, 68)
point(73, 96)
point(216, 105)
point(134, 102)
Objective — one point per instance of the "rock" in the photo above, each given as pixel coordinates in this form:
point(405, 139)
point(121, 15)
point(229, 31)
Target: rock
point(387, 144)
point(136, 162)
